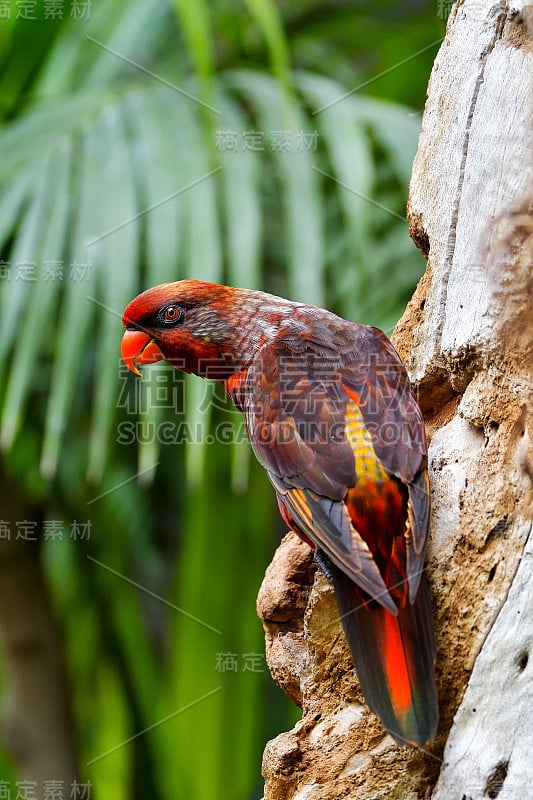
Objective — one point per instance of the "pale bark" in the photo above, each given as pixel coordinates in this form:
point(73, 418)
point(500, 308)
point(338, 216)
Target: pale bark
point(467, 339)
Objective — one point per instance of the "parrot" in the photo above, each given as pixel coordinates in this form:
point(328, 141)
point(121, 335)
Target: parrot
point(332, 417)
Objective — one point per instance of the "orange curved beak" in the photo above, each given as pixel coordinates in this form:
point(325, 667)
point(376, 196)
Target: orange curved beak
point(138, 348)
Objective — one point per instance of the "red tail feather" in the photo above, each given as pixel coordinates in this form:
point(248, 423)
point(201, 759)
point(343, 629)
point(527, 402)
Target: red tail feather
point(394, 658)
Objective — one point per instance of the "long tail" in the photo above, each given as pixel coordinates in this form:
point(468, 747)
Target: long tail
point(395, 660)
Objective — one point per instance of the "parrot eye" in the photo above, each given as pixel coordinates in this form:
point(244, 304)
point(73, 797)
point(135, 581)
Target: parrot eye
point(171, 314)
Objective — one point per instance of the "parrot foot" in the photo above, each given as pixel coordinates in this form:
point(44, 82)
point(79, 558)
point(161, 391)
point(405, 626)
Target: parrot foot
point(324, 564)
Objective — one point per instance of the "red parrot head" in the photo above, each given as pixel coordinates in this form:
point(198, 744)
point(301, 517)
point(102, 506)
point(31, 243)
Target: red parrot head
point(199, 327)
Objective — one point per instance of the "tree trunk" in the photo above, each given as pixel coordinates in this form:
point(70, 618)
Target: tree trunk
point(467, 340)
point(36, 726)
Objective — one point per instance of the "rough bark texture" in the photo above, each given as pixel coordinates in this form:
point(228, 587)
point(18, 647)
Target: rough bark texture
point(467, 339)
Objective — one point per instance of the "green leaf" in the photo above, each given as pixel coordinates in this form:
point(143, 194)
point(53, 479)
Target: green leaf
point(201, 244)
point(43, 297)
point(343, 134)
point(241, 172)
point(119, 242)
point(77, 309)
point(11, 201)
point(23, 259)
point(44, 124)
point(268, 18)
point(397, 128)
point(301, 198)
point(159, 158)
point(196, 25)
point(118, 51)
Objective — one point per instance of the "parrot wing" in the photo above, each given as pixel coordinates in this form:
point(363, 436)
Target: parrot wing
point(380, 386)
point(326, 412)
point(327, 523)
point(342, 439)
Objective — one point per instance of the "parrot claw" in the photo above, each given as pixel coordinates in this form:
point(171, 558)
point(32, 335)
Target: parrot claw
point(324, 564)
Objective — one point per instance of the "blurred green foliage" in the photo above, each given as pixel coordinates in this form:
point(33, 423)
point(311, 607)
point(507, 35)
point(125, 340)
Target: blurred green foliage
point(261, 144)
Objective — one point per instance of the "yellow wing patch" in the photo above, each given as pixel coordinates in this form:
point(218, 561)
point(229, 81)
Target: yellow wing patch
point(301, 506)
point(367, 464)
